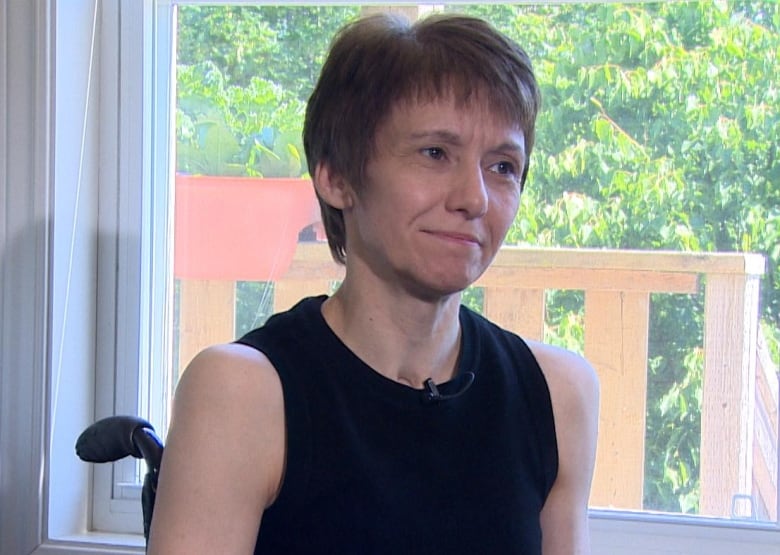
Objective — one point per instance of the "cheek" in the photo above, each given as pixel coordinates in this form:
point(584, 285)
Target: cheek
point(505, 208)
point(399, 203)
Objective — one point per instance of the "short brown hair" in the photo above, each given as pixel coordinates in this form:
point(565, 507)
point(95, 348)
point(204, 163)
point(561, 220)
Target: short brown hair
point(380, 60)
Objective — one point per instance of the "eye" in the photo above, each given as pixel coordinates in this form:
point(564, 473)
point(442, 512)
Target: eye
point(504, 168)
point(434, 152)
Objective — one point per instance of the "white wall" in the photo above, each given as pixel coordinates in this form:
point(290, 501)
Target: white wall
point(24, 131)
point(73, 260)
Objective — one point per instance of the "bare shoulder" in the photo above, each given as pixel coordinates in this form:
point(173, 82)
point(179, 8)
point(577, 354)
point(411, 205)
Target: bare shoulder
point(226, 375)
point(574, 393)
point(230, 389)
point(224, 454)
point(231, 394)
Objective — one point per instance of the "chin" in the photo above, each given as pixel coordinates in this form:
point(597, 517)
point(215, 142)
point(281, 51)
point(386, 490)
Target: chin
point(450, 286)
point(444, 280)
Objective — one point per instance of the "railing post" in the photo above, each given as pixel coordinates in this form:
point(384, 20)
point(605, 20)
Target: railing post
point(766, 461)
point(731, 328)
point(288, 292)
point(616, 328)
point(206, 316)
point(518, 310)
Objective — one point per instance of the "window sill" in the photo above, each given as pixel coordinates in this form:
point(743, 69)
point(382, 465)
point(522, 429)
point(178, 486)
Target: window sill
point(655, 534)
point(612, 532)
point(93, 543)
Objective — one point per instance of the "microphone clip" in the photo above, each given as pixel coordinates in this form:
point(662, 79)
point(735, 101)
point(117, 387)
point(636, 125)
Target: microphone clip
point(432, 394)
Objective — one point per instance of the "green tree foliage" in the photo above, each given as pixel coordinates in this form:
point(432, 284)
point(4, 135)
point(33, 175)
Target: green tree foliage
point(243, 76)
point(283, 45)
point(225, 129)
point(659, 131)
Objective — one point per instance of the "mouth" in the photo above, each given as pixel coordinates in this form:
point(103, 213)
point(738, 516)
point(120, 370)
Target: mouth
point(455, 237)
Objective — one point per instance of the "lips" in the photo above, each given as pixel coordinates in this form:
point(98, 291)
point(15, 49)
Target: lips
point(457, 237)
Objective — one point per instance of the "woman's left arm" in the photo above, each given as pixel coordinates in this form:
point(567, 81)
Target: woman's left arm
point(574, 391)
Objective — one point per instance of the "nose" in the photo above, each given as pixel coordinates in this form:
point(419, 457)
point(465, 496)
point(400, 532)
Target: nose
point(469, 194)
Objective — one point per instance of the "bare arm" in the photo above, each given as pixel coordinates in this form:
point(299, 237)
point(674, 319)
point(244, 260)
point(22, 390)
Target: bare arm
point(575, 397)
point(224, 455)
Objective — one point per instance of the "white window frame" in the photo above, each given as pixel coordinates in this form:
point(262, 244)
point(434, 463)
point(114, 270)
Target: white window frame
point(48, 393)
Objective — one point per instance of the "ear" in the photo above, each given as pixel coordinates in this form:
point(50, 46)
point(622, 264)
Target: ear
point(332, 187)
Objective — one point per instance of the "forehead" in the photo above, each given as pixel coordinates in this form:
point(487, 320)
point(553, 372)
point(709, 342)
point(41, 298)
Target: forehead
point(447, 113)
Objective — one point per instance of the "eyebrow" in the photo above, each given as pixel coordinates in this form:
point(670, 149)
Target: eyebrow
point(437, 134)
point(453, 138)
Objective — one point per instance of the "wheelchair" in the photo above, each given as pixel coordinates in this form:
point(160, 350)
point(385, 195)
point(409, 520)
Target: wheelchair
point(117, 437)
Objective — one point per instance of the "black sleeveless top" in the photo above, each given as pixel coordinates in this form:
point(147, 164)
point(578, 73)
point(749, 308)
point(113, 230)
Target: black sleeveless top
point(374, 468)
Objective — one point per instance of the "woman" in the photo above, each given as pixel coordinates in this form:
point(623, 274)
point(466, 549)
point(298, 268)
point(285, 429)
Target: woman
point(387, 418)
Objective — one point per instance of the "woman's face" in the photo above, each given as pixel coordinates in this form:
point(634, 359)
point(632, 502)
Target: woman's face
point(441, 189)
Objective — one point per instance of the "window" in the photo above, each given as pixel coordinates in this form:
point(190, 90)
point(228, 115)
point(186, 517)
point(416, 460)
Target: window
point(655, 138)
point(654, 114)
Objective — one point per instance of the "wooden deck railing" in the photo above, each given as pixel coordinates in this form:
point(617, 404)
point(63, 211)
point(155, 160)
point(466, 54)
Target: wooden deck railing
point(738, 457)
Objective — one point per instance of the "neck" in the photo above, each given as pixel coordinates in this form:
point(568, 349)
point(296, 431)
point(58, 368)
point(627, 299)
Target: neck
point(413, 341)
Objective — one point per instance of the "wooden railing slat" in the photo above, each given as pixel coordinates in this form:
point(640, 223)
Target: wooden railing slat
point(288, 292)
point(518, 310)
point(601, 279)
point(617, 287)
point(727, 412)
point(206, 316)
point(616, 326)
point(632, 260)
